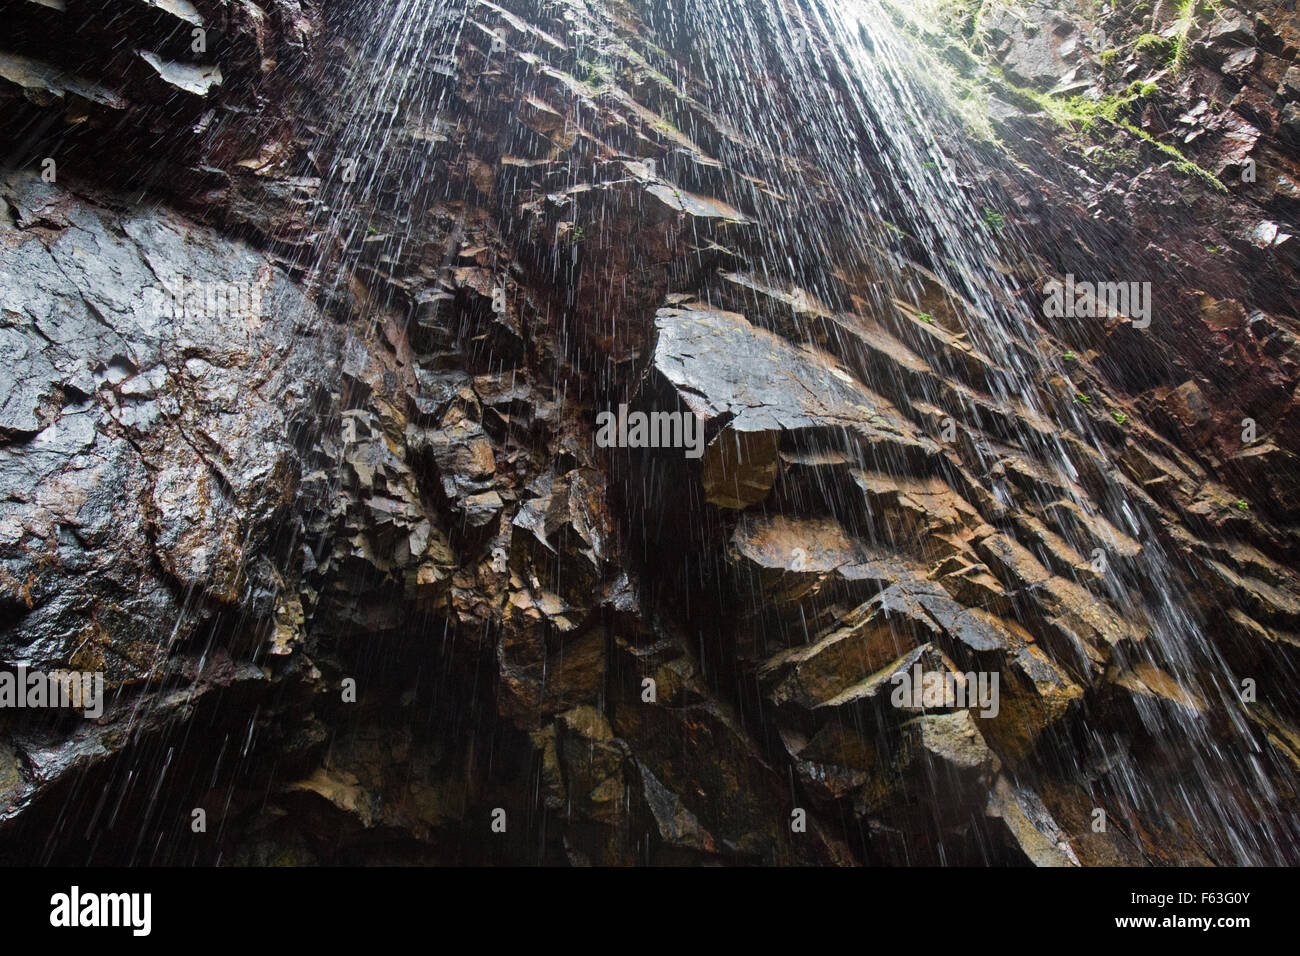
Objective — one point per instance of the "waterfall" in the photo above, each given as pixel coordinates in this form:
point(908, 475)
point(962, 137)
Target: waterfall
point(839, 112)
point(841, 85)
point(630, 432)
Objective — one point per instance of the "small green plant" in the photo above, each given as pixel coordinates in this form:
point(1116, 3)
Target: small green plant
point(894, 230)
point(1120, 417)
point(994, 220)
point(665, 125)
point(1085, 399)
point(577, 234)
point(1070, 357)
point(1183, 25)
point(595, 75)
point(926, 317)
point(1153, 43)
point(1243, 504)
point(1142, 89)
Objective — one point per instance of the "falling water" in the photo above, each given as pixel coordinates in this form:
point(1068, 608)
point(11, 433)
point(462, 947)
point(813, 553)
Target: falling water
point(841, 85)
point(837, 110)
point(839, 82)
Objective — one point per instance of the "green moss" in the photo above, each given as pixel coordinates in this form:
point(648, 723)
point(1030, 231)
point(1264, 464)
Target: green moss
point(1181, 162)
point(1153, 43)
point(1085, 113)
point(940, 23)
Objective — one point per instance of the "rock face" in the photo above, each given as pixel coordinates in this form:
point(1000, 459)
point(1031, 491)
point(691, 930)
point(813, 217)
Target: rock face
point(298, 447)
point(161, 424)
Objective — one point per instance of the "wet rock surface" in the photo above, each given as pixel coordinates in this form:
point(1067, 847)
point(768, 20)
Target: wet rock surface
point(363, 582)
